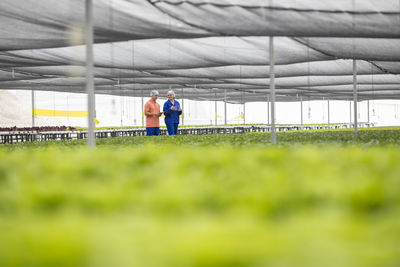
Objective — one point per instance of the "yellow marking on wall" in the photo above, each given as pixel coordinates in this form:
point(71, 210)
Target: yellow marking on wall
point(217, 116)
point(241, 116)
point(60, 113)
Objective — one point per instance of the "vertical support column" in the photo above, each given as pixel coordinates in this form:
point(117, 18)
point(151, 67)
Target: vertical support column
point(350, 112)
point(355, 95)
point(121, 108)
point(244, 108)
point(368, 112)
point(142, 109)
point(183, 103)
point(301, 110)
point(329, 113)
point(134, 109)
point(272, 87)
point(33, 108)
point(216, 109)
point(89, 73)
point(268, 110)
point(225, 107)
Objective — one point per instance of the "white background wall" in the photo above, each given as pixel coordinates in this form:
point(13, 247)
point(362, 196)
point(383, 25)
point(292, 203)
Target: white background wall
point(15, 110)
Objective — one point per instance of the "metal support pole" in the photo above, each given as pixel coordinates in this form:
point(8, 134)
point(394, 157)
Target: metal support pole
point(301, 110)
point(272, 87)
point(134, 109)
point(244, 109)
point(225, 107)
point(329, 113)
point(268, 110)
point(355, 95)
point(33, 108)
point(89, 73)
point(142, 110)
point(183, 103)
point(350, 111)
point(368, 111)
point(215, 109)
point(121, 109)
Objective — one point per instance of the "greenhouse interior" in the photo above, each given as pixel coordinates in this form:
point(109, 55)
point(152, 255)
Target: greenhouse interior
point(200, 133)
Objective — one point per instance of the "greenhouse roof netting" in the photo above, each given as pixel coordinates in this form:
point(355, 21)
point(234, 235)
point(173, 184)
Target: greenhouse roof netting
point(201, 48)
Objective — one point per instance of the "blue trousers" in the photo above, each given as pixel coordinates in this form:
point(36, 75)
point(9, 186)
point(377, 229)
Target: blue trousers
point(150, 131)
point(172, 128)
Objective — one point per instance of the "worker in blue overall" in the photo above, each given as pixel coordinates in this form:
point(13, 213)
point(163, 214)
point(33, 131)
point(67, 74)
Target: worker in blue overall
point(172, 109)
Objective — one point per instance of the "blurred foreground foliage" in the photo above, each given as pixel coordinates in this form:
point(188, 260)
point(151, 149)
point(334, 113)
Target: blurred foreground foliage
point(172, 203)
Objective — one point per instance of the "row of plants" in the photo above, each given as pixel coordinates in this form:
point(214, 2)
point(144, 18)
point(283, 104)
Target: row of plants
point(365, 137)
point(37, 129)
point(171, 205)
point(203, 125)
point(319, 198)
point(78, 128)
